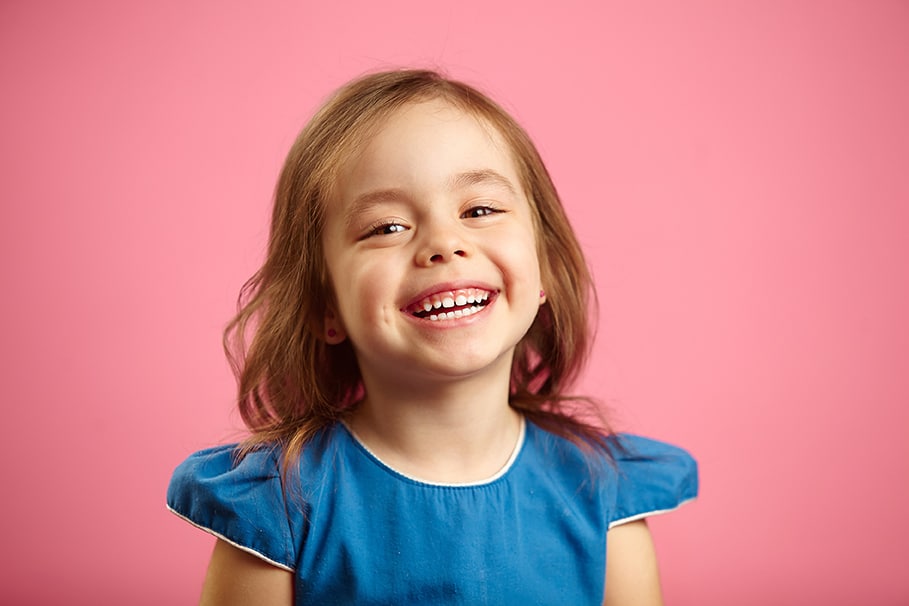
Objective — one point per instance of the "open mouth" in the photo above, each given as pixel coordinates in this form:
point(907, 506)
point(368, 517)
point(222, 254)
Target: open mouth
point(448, 305)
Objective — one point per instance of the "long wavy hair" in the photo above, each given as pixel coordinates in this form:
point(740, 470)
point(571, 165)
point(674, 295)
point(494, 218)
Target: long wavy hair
point(291, 384)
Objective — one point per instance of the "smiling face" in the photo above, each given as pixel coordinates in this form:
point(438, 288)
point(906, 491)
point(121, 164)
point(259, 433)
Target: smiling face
point(430, 246)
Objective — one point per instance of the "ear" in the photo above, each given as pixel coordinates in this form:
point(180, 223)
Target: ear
point(332, 328)
point(542, 296)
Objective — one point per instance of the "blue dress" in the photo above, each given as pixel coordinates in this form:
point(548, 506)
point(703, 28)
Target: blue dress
point(355, 531)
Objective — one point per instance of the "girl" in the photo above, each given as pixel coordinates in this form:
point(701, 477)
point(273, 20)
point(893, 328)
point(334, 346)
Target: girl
point(421, 311)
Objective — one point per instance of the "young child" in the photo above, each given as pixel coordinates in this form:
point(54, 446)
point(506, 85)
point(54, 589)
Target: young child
point(403, 357)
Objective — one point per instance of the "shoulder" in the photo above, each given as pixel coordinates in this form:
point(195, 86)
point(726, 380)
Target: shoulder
point(218, 474)
point(210, 467)
point(637, 477)
point(653, 477)
point(236, 501)
point(556, 455)
point(246, 501)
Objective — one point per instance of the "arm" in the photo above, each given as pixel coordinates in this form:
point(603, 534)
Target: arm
point(632, 577)
point(237, 578)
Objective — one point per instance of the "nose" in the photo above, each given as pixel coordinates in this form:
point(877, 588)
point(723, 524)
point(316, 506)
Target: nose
point(441, 244)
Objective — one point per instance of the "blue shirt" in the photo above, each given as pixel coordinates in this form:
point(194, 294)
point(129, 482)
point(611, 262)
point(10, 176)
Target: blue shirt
point(355, 531)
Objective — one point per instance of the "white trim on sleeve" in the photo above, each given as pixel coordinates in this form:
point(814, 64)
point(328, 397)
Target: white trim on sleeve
point(226, 540)
point(647, 514)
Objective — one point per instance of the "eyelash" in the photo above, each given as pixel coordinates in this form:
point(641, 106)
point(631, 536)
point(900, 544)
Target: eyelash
point(379, 228)
point(486, 208)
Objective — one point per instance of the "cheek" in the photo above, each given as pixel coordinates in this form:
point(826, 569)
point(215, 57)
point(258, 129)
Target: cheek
point(365, 293)
point(524, 273)
point(524, 255)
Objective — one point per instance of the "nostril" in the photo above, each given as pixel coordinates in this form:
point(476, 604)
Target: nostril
point(441, 258)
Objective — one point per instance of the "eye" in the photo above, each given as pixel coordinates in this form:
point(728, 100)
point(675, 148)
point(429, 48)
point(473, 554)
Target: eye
point(480, 211)
point(384, 229)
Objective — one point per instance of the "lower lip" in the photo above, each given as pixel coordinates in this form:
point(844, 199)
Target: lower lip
point(454, 322)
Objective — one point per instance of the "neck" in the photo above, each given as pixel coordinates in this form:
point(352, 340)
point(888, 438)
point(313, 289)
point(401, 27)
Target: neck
point(452, 432)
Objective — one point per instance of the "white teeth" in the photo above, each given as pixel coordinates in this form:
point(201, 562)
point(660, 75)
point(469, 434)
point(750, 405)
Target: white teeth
point(464, 297)
point(458, 313)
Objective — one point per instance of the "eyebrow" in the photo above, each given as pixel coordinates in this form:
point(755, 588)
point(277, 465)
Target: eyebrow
point(364, 202)
point(464, 180)
point(482, 177)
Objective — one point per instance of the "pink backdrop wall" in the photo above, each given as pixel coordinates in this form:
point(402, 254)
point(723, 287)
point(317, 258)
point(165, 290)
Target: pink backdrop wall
point(738, 173)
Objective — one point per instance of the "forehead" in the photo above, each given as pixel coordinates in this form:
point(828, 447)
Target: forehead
point(422, 144)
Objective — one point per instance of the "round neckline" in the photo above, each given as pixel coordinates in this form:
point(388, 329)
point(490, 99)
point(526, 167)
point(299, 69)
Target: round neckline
point(509, 464)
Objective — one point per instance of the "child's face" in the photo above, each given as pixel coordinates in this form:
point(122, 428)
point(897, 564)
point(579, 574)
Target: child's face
point(431, 211)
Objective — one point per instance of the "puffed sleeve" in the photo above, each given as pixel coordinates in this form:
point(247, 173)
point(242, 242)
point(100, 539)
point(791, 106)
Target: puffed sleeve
point(243, 504)
point(653, 478)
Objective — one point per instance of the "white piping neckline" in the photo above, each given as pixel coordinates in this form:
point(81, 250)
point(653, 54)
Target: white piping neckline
point(519, 445)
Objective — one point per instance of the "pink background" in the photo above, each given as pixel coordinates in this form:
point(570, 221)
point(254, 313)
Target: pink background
point(738, 174)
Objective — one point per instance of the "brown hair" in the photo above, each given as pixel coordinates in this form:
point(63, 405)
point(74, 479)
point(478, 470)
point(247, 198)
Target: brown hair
point(291, 383)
